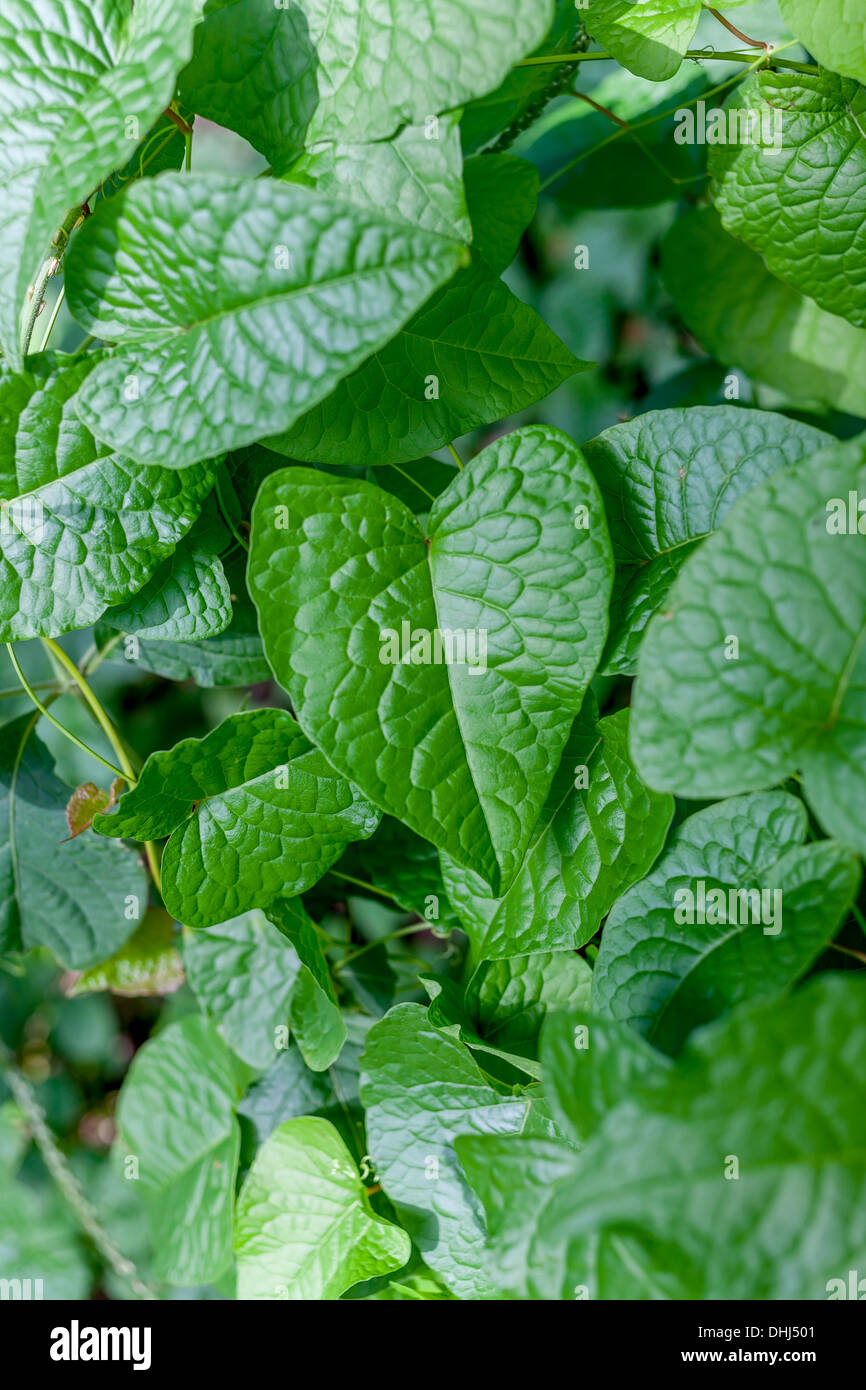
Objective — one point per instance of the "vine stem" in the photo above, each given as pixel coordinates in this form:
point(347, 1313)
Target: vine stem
point(361, 883)
point(454, 454)
point(101, 717)
point(50, 265)
point(768, 55)
point(639, 125)
point(43, 709)
point(53, 319)
point(732, 29)
point(66, 1181)
point(113, 737)
point(412, 929)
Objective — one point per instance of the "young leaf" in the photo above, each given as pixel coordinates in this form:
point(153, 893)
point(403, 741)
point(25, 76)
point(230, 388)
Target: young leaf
point(736, 908)
point(668, 479)
point(661, 1165)
point(224, 356)
point(82, 528)
point(305, 1228)
point(796, 191)
point(186, 1150)
point(765, 327)
point(747, 676)
point(82, 79)
point(600, 830)
point(79, 897)
point(421, 1089)
point(649, 38)
point(251, 981)
point(832, 30)
point(516, 561)
point(255, 810)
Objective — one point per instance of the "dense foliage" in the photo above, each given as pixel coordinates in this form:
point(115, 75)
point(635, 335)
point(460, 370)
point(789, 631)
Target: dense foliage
point(430, 856)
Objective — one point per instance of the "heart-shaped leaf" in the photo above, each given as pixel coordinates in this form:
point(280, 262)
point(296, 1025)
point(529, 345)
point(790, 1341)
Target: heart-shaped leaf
point(736, 908)
point(832, 30)
point(305, 1228)
point(255, 810)
point(81, 528)
point(442, 672)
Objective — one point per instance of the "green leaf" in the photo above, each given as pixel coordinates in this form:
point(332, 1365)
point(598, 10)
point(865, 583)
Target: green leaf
point(376, 71)
point(233, 658)
point(832, 30)
point(649, 38)
point(668, 479)
point(416, 176)
point(253, 70)
point(148, 964)
point(421, 1089)
point(764, 1112)
point(305, 1228)
point(474, 354)
point(737, 908)
point(506, 1002)
point(591, 842)
point(592, 1064)
point(187, 1149)
point(82, 528)
point(255, 810)
point(799, 196)
point(81, 80)
point(252, 981)
point(79, 897)
point(223, 294)
point(780, 579)
point(501, 196)
point(337, 568)
point(745, 317)
point(289, 1088)
point(188, 598)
